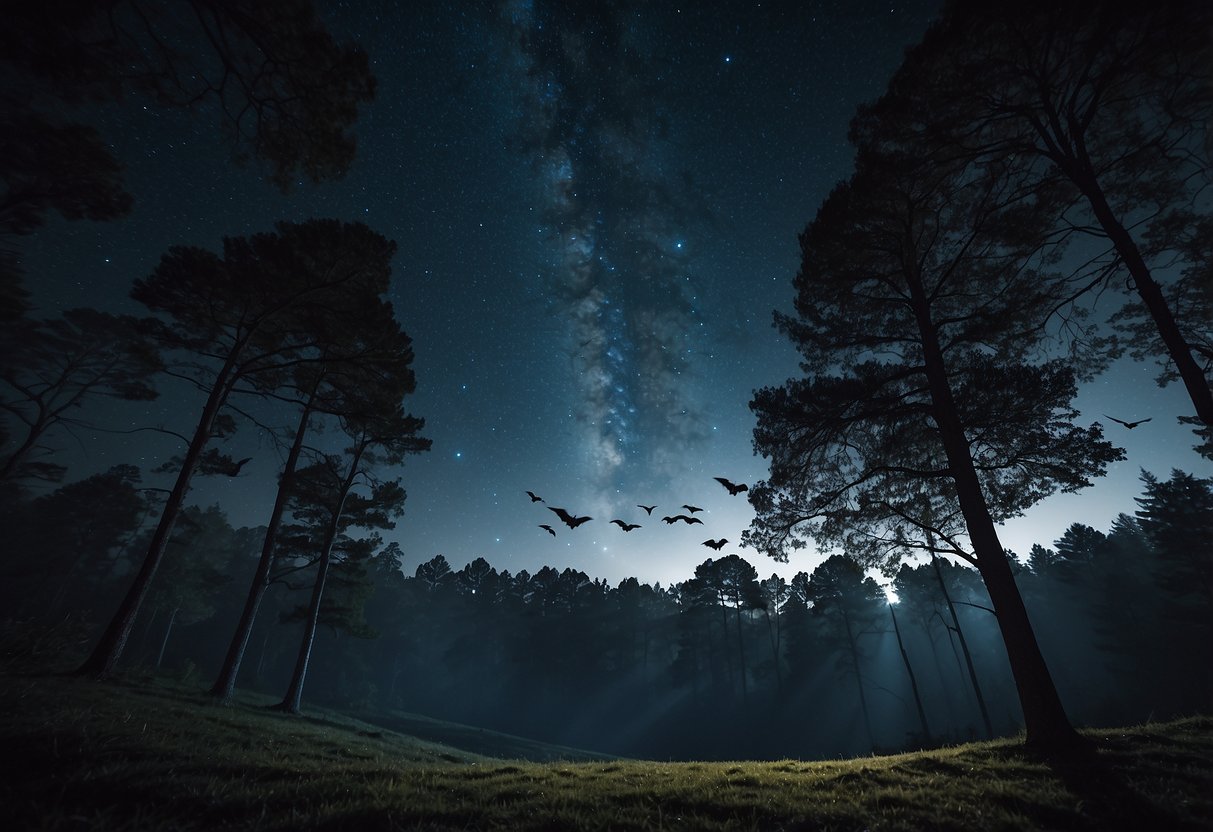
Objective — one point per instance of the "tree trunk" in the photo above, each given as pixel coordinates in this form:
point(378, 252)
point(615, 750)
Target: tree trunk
point(1151, 296)
point(964, 645)
point(168, 630)
point(905, 658)
point(773, 635)
point(745, 696)
point(294, 694)
point(225, 683)
point(944, 688)
point(1044, 717)
point(108, 651)
point(863, 699)
point(265, 642)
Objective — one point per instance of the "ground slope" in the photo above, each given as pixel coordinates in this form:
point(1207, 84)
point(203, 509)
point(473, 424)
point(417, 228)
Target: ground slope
point(76, 754)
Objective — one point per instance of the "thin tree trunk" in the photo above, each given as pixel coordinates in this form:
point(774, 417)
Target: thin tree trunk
point(863, 699)
point(141, 645)
point(944, 688)
point(745, 697)
point(265, 641)
point(1151, 295)
point(168, 630)
point(964, 645)
point(905, 658)
point(773, 636)
point(1044, 716)
point(225, 683)
point(294, 694)
point(104, 658)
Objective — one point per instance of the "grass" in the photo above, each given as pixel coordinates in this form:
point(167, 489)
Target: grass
point(77, 754)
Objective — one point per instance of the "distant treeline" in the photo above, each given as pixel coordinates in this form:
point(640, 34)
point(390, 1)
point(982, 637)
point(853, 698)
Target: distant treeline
point(723, 664)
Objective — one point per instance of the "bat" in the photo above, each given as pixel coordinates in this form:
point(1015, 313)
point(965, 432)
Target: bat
point(734, 488)
point(1129, 425)
point(691, 509)
point(647, 509)
point(550, 530)
point(627, 527)
point(534, 498)
point(683, 518)
point(568, 519)
point(715, 544)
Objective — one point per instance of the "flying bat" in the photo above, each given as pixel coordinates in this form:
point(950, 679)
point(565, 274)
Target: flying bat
point(734, 488)
point(550, 530)
point(627, 527)
point(715, 544)
point(683, 518)
point(568, 519)
point(647, 509)
point(1129, 425)
point(534, 498)
point(691, 509)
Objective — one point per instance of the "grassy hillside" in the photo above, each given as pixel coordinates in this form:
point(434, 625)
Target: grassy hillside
point(116, 756)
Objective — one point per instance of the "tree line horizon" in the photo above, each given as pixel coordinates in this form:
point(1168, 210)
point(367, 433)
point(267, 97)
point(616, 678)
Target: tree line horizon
point(1065, 157)
point(822, 664)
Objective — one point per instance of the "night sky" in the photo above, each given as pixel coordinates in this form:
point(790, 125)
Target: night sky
point(596, 216)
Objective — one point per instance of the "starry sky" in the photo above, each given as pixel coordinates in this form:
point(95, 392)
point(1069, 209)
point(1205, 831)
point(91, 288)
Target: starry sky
point(596, 211)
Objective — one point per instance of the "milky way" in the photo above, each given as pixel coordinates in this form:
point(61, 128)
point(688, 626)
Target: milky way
point(615, 215)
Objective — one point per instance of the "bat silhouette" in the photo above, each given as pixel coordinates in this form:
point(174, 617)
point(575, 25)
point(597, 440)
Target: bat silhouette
point(683, 518)
point(534, 497)
point(691, 509)
point(647, 509)
point(627, 527)
point(715, 544)
point(1129, 425)
point(568, 519)
point(234, 469)
point(734, 488)
point(550, 530)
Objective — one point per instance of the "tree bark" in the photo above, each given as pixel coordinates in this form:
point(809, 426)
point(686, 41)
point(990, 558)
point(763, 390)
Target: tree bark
point(109, 649)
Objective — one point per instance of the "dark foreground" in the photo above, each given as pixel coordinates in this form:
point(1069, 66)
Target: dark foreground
point(76, 754)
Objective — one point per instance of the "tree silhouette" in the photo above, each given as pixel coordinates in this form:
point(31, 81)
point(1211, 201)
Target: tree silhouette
point(915, 309)
point(841, 596)
point(380, 434)
point(51, 368)
point(735, 584)
point(201, 547)
point(228, 319)
point(905, 660)
point(358, 345)
point(47, 165)
point(282, 90)
point(1176, 518)
point(285, 92)
point(63, 545)
point(1111, 103)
